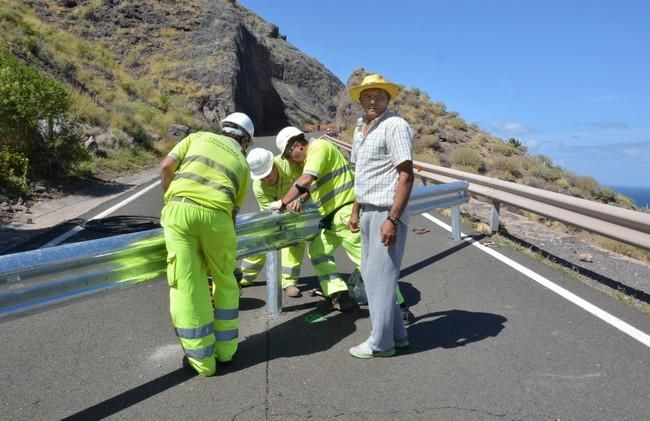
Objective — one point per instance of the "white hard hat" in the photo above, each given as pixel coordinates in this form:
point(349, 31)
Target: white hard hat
point(243, 121)
point(283, 137)
point(260, 161)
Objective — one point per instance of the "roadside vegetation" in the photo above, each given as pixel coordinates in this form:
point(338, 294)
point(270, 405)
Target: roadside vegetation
point(71, 110)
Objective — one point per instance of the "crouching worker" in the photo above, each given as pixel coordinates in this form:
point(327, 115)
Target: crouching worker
point(205, 179)
point(272, 178)
point(328, 178)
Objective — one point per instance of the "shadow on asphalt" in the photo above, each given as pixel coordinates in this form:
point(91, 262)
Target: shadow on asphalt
point(20, 240)
point(319, 330)
point(131, 397)
point(431, 260)
point(313, 332)
point(410, 293)
point(452, 328)
point(309, 334)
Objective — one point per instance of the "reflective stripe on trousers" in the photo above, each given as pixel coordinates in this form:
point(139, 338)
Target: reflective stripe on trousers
point(322, 248)
point(199, 241)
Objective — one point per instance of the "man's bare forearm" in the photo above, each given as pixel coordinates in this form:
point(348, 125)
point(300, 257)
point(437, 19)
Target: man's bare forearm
point(404, 187)
point(168, 168)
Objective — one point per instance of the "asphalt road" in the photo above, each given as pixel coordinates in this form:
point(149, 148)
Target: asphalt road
point(489, 343)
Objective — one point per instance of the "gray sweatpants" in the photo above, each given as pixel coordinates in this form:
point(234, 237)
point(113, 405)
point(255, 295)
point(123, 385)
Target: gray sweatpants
point(380, 266)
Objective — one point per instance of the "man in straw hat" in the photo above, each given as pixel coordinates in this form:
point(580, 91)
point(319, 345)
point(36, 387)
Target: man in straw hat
point(382, 152)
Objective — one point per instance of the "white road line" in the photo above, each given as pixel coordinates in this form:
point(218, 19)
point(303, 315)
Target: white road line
point(58, 240)
point(585, 305)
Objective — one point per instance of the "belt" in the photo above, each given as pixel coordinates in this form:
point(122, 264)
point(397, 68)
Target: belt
point(370, 208)
point(185, 200)
point(326, 222)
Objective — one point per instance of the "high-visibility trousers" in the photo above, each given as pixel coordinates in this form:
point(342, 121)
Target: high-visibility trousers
point(321, 253)
point(198, 241)
point(290, 258)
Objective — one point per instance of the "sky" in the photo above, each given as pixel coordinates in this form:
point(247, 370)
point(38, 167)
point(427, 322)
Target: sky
point(570, 79)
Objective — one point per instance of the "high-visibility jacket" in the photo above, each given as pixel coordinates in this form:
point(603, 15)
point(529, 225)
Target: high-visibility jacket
point(288, 172)
point(213, 172)
point(334, 183)
point(291, 257)
point(211, 181)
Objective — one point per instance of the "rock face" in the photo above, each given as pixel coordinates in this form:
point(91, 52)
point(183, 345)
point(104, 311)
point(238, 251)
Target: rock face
point(220, 55)
point(348, 111)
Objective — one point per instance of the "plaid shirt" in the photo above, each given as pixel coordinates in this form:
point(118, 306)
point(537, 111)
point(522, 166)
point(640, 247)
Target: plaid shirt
point(388, 143)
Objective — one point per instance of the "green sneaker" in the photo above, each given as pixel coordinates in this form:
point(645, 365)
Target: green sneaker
point(404, 343)
point(363, 351)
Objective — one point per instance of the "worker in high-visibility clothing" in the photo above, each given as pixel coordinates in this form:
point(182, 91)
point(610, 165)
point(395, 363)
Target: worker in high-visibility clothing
point(329, 178)
point(272, 177)
point(205, 179)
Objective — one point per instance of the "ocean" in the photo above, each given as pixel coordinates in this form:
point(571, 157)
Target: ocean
point(640, 195)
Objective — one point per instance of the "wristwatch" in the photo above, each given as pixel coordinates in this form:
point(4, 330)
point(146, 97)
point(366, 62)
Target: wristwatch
point(393, 219)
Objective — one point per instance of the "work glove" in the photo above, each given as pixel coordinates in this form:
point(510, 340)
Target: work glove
point(277, 205)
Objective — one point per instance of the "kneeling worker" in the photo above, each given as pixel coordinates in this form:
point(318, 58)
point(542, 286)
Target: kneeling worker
point(272, 178)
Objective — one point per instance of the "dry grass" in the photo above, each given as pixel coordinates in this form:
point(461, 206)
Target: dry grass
point(624, 249)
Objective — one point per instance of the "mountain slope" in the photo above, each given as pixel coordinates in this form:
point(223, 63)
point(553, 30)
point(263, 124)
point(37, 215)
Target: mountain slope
point(211, 57)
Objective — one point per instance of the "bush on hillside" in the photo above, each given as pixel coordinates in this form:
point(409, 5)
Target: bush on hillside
point(507, 168)
point(33, 123)
point(13, 171)
point(501, 148)
point(467, 159)
point(588, 186)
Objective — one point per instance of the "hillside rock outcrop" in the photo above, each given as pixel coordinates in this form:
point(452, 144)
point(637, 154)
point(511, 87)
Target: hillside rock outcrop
point(217, 53)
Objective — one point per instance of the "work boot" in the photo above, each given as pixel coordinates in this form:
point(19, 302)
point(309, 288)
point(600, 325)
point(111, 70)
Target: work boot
point(292, 291)
point(341, 301)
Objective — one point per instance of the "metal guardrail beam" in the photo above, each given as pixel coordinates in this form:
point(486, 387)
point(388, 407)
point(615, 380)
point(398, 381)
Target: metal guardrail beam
point(44, 277)
point(38, 278)
point(637, 221)
point(620, 224)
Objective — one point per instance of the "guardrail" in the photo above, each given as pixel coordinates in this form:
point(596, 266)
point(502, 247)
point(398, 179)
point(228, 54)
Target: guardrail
point(49, 276)
point(39, 278)
point(620, 224)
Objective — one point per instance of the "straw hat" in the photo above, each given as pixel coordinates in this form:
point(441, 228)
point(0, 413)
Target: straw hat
point(374, 81)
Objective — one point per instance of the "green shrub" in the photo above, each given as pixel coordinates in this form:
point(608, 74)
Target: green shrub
point(33, 119)
point(625, 201)
point(587, 185)
point(13, 171)
point(501, 148)
point(467, 159)
point(606, 195)
point(514, 142)
point(542, 167)
point(507, 168)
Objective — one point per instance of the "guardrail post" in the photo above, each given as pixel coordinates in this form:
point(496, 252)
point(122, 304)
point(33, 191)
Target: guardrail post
point(273, 295)
point(495, 216)
point(455, 222)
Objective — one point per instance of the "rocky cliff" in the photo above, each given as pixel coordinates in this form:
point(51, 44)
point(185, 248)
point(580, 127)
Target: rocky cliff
point(217, 53)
